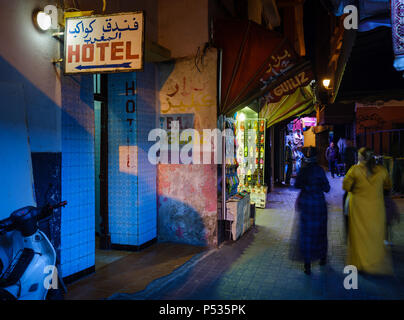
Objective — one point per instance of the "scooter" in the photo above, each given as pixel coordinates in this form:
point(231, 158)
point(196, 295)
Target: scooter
point(27, 258)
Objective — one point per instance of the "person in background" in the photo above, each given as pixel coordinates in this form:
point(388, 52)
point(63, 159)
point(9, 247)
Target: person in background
point(365, 183)
point(331, 154)
point(342, 144)
point(288, 162)
point(311, 209)
point(350, 155)
point(298, 158)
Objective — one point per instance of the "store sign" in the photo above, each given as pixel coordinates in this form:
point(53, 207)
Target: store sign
point(309, 121)
point(113, 43)
point(287, 87)
point(279, 63)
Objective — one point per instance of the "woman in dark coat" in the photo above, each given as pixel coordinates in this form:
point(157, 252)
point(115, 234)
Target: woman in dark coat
point(311, 208)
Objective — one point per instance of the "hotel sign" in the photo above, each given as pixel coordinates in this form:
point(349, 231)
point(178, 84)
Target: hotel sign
point(96, 44)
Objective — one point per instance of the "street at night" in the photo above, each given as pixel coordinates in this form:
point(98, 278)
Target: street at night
point(202, 158)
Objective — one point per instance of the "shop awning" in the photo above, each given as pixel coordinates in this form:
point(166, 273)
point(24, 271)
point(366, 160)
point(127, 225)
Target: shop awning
point(296, 104)
point(253, 57)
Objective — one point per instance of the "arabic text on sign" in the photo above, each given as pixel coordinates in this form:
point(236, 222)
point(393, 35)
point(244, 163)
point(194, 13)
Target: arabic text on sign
point(81, 29)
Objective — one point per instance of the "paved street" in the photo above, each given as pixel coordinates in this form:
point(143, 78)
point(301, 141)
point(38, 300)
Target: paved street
point(258, 266)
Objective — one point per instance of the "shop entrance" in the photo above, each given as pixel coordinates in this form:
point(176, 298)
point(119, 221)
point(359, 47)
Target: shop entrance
point(295, 134)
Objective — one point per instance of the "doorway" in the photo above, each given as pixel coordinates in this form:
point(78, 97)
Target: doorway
point(101, 160)
point(103, 253)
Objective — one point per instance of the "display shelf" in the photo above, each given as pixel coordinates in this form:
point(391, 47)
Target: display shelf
point(250, 136)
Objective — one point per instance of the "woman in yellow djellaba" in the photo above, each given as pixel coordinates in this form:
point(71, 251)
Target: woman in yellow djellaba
point(365, 183)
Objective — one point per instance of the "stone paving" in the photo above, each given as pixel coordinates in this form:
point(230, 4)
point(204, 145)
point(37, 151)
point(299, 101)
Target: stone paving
point(257, 266)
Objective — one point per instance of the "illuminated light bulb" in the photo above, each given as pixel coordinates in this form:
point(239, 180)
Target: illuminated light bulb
point(326, 83)
point(43, 20)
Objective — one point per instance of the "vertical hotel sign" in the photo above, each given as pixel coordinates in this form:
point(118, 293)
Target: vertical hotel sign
point(113, 43)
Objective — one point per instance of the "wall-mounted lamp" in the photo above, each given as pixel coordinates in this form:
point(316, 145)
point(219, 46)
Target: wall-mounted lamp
point(43, 20)
point(47, 18)
point(326, 83)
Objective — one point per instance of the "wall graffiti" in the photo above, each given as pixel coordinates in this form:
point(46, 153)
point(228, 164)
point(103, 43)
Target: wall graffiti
point(186, 93)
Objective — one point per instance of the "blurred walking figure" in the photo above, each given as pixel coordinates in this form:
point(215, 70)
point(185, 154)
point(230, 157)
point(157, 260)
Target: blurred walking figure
point(288, 162)
point(311, 209)
point(331, 154)
point(298, 158)
point(365, 183)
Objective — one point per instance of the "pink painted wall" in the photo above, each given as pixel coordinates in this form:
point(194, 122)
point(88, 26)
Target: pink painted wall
point(187, 194)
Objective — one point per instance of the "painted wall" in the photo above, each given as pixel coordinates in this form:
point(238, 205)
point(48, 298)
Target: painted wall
point(26, 60)
point(16, 168)
point(187, 194)
point(183, 26)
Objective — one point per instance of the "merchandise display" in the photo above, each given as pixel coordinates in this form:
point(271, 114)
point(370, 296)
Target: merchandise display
point(232, 179)
point(259, 196)
point(245, 156)
point(250, 136)
point(238, 212)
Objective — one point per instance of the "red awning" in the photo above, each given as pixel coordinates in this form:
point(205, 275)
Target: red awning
point(253, 57)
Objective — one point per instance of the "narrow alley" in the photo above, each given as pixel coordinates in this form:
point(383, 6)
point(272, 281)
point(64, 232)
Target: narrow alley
point(257, 267)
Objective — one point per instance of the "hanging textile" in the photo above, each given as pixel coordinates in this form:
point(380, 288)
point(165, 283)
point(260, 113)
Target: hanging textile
point(397, 18)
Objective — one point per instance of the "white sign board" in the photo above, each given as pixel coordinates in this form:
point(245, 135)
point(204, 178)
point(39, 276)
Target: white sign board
point(96, 44)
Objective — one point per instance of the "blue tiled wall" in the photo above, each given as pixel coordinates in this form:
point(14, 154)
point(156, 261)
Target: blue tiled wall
point(132, 193)
point(147, 115)
point(77, 222)
point(122, 186)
